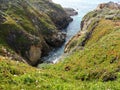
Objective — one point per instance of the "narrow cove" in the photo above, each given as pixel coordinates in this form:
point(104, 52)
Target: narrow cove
point(82, 7)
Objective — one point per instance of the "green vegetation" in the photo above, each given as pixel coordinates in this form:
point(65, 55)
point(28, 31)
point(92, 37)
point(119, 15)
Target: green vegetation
point(87, 69)
point(27, 23)
point(94, 64)
point(100, 54)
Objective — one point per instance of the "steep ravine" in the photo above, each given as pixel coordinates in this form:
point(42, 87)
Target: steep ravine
point(73, 28)
point(92, 61)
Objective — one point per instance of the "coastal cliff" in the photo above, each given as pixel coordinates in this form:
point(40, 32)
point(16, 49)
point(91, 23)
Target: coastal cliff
point(92, 60)
point(104, 12)
point(29, 29)
point(95, 49)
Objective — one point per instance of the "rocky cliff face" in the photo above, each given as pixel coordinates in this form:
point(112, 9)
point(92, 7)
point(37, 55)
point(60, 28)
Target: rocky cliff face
point(106, 11)
point(110, 5)
point(70, 11)
point(31, 28)
point(54, 11)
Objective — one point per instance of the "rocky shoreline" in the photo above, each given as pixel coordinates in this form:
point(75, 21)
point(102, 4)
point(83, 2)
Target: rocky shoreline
point(31, 29)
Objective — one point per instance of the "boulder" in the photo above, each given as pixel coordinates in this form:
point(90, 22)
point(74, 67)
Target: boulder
point(57, 39)
point(34, 54)
point(70, 11)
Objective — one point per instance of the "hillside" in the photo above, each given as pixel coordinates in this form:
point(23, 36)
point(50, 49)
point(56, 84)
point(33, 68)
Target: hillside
point(92, 60)
point(30, 29)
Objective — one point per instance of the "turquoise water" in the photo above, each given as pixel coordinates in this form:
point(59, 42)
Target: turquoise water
point(83, 7)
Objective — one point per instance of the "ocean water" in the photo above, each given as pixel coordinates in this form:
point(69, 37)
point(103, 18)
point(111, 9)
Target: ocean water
point(82, 7)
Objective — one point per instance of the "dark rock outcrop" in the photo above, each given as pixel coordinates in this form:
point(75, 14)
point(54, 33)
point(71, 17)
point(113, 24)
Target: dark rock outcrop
point(25, 45)
point(56, 14)
point(30, 28)
point(70, 11)
point(56, 40)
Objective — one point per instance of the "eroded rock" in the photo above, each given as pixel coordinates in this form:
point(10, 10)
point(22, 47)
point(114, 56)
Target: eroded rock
point(70, 11)
point(34, 54)
point(31, 29)
point(110, 5)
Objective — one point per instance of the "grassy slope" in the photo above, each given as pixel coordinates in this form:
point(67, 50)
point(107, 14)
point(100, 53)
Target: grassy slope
point(83, 70)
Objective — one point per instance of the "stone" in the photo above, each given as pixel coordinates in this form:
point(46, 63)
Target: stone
point(70, 11)
point(34, 54)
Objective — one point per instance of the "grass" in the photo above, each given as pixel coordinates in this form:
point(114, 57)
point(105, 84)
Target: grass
point(16, 75)
point(94, 68)
point(98, 52)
